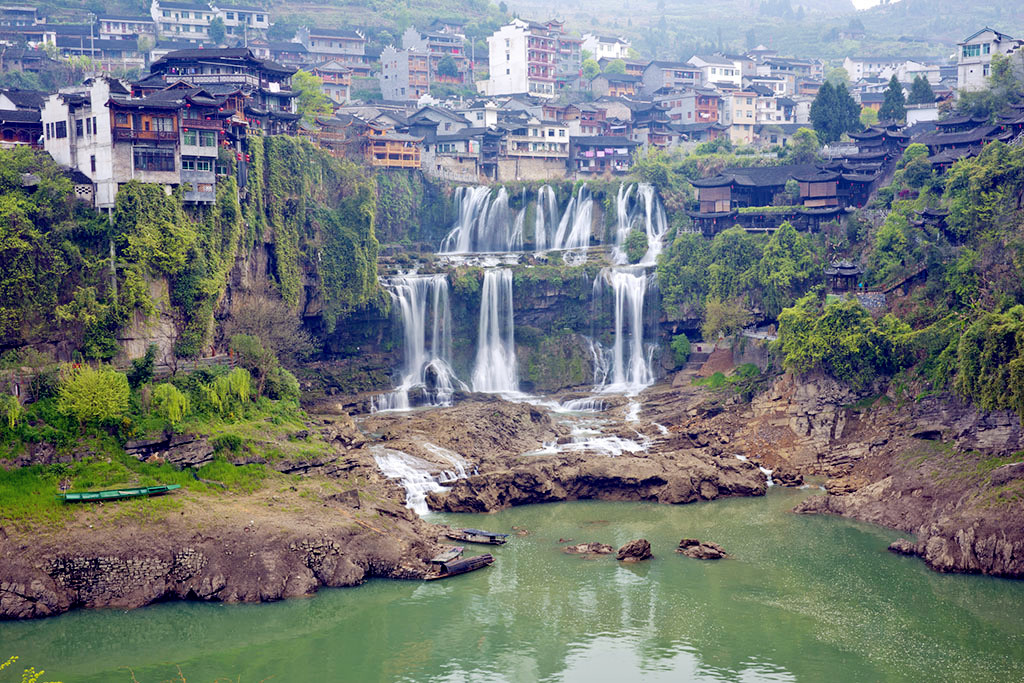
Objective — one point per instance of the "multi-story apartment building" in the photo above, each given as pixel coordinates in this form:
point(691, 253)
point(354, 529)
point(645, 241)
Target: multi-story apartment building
point(522, 60)
point(439, 46)
point(539, 139)
point(700, 105)
point(265, 85)
point(19, 15)
point(182, 20)
point(864, 67)
point(605, 46)
point(342, 45)
point(668, 76)
point(241, 20)
point(118, 27)
point(739, 112)
point(336, 80)
point(568, 57)
point(974, 56)
point(717, 69)
point(404, 74)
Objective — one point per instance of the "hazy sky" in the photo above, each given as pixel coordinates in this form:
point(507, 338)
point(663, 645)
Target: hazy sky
point(864, 4)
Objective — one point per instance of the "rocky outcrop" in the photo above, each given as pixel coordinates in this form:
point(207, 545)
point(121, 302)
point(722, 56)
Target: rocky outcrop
point(966, 518)
point(701, 550)
point(681, 477)
point(634, 551)
point(230, 557)
point(589, 549)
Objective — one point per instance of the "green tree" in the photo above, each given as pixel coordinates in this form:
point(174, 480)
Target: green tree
point(838, 75)
point(990, 361)
point(447, 67)
point(217, 30)
point(681, 349)
point(868, 117)
point(94, 396)
point(682, 272)
point(788, 267)
point(170, 403)
point(921, 91)
point(256, 359)
point(590, 69)
point(616, 66)
point(985, 191)
point(636, 245)
point(312, 101)
point(834, 112)
point(724, 317)
point(893, 106)
point(803, 147)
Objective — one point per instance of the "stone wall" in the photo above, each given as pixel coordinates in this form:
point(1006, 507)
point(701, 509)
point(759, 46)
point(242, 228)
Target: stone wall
point(510, 170)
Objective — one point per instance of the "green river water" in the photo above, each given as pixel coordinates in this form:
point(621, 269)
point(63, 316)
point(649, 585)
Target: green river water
point(805, 598)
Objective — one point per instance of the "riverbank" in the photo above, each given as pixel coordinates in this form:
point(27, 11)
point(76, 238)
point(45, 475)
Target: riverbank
point(338, 520)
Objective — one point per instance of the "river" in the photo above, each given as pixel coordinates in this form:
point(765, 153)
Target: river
point(805, 599)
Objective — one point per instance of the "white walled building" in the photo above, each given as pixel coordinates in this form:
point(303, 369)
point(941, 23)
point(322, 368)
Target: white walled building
point(522, 60)
point(974, 55)
point(77, 134)
point(600, 47)
point(717, 69)
point(858, 68)
point(242, 20)
point(182, 20)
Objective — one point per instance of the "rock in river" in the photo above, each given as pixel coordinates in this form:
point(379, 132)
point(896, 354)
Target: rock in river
point(635, 551)
point(701, 550)
point(589, 549)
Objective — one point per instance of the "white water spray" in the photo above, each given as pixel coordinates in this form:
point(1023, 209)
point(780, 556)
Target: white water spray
point(630, 369)
point(638, 207)
point(495, 370)
point(485, 223)
point(427, 356)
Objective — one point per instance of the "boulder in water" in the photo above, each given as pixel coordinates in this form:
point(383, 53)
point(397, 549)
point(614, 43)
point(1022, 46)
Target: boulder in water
point(635, 551)
point(701, 550)
point(589, 549)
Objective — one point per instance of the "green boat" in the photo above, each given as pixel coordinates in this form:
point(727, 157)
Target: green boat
point(117, 494)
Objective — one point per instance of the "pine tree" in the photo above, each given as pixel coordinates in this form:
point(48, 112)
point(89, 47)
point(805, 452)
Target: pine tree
point(893, 108)
point(834, 112)
point(921, 92)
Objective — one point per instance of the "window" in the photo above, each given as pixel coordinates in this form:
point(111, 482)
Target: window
point(207, 138)
point(88, 126)
point(972, 50)
point(231, 16)
point(92, 163)
point(163, 123)
point(95, 130)
point(259, 17)
point(78, 128)
point(189, 137)
point(984, 70)
point(153, 160)
point(985, 48)
point(184, 15)
point(167, 14)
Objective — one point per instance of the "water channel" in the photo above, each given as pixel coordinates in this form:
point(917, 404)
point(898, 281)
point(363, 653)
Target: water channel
point(804, 599)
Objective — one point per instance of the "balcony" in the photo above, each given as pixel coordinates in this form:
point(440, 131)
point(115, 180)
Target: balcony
point(130, 135)
point(246, 79)
point(201, 124)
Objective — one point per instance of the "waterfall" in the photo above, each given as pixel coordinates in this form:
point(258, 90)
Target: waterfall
point(642, 210)
point(575, 226)
point(495, 370)
point(547, 214)
point(485, 223)
point(630, 369)
point(427, 364)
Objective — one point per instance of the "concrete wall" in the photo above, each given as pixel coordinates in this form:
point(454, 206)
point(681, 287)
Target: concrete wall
point(530, 169)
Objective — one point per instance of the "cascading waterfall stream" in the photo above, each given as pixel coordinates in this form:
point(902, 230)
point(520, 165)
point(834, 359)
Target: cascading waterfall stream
point(638, 207)
point(485, 223)
point(495, 369)
point(630, 368)
point(427, 363)
point(415, 473)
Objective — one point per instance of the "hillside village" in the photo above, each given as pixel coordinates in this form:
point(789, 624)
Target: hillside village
point(545, 103)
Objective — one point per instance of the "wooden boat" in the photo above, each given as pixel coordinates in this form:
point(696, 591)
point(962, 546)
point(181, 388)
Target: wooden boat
point(447, 555)
point(117, 494)
point(453, 568)
point(477, 536)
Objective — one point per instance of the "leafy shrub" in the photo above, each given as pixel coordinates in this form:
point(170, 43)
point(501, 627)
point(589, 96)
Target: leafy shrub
point(94, 396)
point(681, 348)
point(226, 442)
point(282, 385)
point(11, 411)
point(170, 404)
point(142, 368)
point(228, 392)
point(636, 245)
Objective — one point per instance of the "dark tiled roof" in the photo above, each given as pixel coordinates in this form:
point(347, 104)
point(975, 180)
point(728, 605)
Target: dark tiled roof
point(25, 99)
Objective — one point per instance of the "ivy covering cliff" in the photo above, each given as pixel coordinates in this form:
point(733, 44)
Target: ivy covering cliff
point(74, 279)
